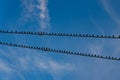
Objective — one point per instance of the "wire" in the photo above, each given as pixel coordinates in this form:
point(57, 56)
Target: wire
point(60, 51)
point(61, 34)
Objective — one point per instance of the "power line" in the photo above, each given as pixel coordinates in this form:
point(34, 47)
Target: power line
point(60, 51)
point(61, 34)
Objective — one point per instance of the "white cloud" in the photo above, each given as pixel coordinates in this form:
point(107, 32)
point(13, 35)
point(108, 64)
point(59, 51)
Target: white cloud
point(96, 48)
point(44, 16)
point(55, 68)
point(4, 67)
point(7, 68)
point(109, 9)
point(28, 8)
point(60, 69)
point(36, 9)
point(25, 61)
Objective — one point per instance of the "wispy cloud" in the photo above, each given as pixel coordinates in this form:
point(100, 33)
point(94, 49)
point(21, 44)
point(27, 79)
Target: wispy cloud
point(23, 59)
point(44, 15)
point(8, 70)
point(95, 48)
point(36, 10)
point(4, 67)
point(28, 9)
point(56, 69)
point(109, 9)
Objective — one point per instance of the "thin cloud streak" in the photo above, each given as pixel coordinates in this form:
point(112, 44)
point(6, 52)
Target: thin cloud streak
point(110, 11)
point(36, 10)
point(23, 59)
point(44, 15)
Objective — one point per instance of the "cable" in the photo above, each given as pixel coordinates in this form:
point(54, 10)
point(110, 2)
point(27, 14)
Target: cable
point(61, 34)
point(60, 51)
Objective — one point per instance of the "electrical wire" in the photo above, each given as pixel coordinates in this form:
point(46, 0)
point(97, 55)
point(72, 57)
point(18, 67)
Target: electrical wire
point(61, 34)
point(60, 51)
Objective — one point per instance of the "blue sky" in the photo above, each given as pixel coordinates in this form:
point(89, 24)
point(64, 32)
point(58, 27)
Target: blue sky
point(68, 16)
